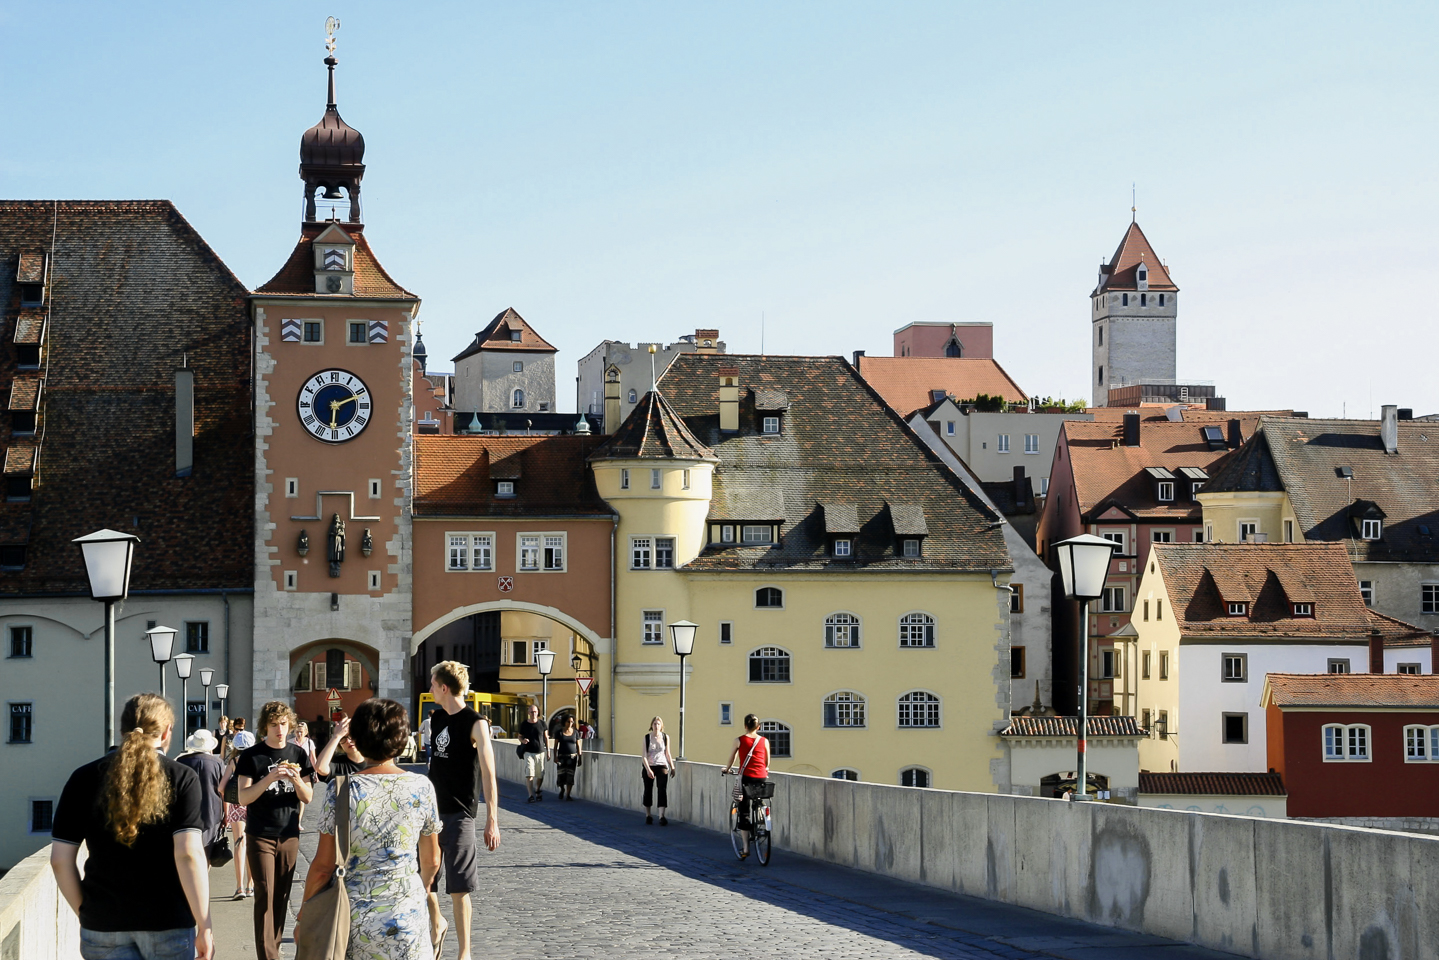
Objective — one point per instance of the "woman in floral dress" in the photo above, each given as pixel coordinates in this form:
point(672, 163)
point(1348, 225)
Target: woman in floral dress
point(392, 813)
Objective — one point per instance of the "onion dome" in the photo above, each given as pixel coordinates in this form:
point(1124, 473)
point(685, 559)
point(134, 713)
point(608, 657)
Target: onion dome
point(332, 142)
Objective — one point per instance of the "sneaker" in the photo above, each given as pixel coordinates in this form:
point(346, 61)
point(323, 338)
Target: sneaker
point(649, 819)
point(664, 822)
point(539, 796)
point(529, 799)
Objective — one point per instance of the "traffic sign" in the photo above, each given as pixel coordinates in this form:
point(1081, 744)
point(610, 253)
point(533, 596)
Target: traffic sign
point(332, 695)
point(585, 683)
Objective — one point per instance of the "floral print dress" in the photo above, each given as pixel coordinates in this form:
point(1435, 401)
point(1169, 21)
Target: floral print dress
point(389, 813)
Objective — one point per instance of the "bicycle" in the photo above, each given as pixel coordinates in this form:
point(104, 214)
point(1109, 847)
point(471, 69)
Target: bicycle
point(754, 804)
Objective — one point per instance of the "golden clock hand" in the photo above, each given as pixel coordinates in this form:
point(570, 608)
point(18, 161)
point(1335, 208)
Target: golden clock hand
point(334, 412)
point(337, 404)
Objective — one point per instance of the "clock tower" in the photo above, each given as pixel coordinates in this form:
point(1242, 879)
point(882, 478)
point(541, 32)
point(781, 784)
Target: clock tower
point(333, 339)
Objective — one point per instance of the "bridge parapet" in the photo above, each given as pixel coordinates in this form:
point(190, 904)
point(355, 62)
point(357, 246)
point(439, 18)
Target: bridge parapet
point(1281, 890)
point(35, 921)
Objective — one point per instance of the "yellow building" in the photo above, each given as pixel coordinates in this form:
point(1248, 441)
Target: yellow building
point(850, 591)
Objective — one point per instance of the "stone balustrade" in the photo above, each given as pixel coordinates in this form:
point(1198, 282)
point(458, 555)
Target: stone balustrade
point(35, 921)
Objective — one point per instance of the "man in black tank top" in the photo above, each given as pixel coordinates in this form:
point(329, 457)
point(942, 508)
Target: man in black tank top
point(460, 758)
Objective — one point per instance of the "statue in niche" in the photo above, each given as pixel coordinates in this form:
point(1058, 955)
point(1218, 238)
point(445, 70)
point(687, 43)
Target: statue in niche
point(335, 545)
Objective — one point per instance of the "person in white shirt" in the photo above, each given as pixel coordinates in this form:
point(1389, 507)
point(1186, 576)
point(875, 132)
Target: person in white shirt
point(425, 735)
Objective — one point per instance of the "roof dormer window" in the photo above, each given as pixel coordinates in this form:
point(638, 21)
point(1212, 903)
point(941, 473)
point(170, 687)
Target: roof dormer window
point(515, 335)
point(32, 294)
point(1303, 609)
point(1165, 491)
point(1371, 529)
point(910, 547)
point(843, 547)
point(769, 425)
point(504, 488)
point(1238, 609)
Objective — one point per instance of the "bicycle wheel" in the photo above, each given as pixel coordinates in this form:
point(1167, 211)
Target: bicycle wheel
point(736, 837)
point(761, 841)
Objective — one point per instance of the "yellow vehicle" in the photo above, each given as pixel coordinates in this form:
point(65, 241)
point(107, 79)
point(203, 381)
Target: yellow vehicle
point(503, 710)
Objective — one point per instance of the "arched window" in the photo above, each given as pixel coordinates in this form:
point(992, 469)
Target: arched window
point(778, 736)
point(919, 708)
point(769, 665)
point(916, 630)
point(914, 777)
point(953, 349)
point(844, 709)
point(841, 630)
point(518, 400)
point(633, 396)
point(844, 773)
point(769, 597)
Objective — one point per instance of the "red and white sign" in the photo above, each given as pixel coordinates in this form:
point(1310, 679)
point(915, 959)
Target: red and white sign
point(332, 695)
point(507, 584)
point(585, 683)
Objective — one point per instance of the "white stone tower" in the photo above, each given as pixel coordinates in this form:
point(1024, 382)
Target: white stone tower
point(1132, 312)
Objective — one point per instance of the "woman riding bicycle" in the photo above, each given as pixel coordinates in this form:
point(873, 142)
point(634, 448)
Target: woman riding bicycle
point(754, 769)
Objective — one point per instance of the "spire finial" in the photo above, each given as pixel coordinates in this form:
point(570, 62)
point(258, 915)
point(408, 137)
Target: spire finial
point(654, 381)
point(331, 25)
point(1133, 204)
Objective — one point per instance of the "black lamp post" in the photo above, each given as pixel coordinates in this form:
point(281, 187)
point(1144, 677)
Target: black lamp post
point(162, 648)
point(207, 676)
point(682, 635)
point(545, 660)
point(222, 690)
point(107, 555)
point(1084, 566)
point(184, 663)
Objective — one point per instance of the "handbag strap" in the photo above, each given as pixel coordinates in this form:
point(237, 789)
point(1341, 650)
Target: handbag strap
point(342, 824)
point(754, 745)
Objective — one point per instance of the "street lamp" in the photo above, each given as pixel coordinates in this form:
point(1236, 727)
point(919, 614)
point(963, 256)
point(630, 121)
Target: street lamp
point(107, 555)
point(222, 690)
point(1084, 566)
point(545, 660)
point(682, 635)
point(162, 647)
point(184, 663)
point(207, 676)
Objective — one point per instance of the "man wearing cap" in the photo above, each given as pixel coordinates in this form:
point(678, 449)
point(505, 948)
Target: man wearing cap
point(200, 756)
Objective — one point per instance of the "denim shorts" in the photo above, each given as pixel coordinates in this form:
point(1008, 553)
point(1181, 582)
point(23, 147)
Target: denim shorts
point(138, 944)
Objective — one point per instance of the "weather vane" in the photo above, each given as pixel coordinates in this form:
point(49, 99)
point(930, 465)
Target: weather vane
point(331, 25)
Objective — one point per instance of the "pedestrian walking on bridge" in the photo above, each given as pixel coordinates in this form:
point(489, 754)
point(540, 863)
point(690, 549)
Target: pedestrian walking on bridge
point(658, 767)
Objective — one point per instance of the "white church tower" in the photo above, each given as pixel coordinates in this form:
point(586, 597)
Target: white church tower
point(1133, 314)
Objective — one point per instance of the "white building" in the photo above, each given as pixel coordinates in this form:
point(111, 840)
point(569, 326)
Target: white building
point(507, 368)
point(635, 370)
point(1134, 318)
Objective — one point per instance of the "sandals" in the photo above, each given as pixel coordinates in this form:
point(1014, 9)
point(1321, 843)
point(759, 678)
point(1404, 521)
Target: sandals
point(439, 943)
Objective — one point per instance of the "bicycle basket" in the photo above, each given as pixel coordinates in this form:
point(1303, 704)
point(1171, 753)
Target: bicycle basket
point(759, 791)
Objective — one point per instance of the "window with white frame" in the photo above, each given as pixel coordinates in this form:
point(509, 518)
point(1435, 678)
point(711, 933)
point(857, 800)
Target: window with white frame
point(1304, 609)
point(518, 366)
point(1044, 486)
point(1338, 664)
point(1366, 592)
point(518, 399)
point(1371, 529)
point(653, 623)
point(656, 478)
point(1410, 669)
point(1346, 742)
point(1166, 491)
point(726, 714)
point(1002, 444)
point(842, 547)
point(726, 533)
point(664, 553)
point(1421, 743)
point(1117, 537)
point(757, 533)
point(1161, 536)
point(1111, 600)
point(504, 489)
point(778, 735)
point(844, 709)
point(914, 777)
point(769, 665)
point(21, 722)
point(1288, 531)
point(624, 478)
point(910, 547)
point(1031, 443)
point(1237, 609)
point(916, 630)
point(22, 641)
point(1247, 530)
point(771, 425)
point(769, 597)
point(642, 551)
point(685, 479)
point(919, 708)
point(841, 630)
point(949, 428)
point(844, 773)
point(1235, 667)
point(469, 551)
point(555, 552)
point(529, 552)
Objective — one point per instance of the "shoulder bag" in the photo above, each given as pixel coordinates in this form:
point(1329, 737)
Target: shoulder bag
point(218, 852)
point(232, 785)
point(323, 932)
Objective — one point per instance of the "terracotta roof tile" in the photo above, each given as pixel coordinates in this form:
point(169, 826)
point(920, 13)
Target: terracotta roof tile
point(653, 431)
point(840, 443)
point(1066, 727)
point(839, 518)
point(1397, 633)
point(1213, 784)
point(1133, 250)
point(1203, 578)
point(30, 326)
point(908, 519)
point(1352, 690)
point(499, 335)
point(905, 382)
point(453, 476)
point(297, 277)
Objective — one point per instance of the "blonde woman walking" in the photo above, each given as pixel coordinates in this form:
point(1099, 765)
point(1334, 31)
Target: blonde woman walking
point(659, 766)
point(146, 888)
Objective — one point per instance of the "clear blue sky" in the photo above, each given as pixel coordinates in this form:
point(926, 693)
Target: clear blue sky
point(635, 171)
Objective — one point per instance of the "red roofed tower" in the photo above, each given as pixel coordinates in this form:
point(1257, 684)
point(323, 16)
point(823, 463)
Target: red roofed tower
point(1133, 312)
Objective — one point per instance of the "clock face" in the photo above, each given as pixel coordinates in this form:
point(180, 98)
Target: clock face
point(334, 406)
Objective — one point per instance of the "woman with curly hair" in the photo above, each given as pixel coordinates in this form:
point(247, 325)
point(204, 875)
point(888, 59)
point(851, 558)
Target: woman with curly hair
point(146, 888)
point(392, 813)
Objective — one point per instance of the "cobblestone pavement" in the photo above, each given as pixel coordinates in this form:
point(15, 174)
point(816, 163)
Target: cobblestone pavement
point(580, 880)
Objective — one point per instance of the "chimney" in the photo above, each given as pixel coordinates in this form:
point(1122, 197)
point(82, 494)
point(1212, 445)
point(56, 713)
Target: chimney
point(184, 421)
point(729, 399)
point(1389, 427)
point(1215, 403)
point(612, 401)
point(857, 355)
point(1236, 436)
point(1434, 652)
point(706, 341)
point(1406, 413)
point(1131, 429)
point(1376, 650)
point(1021, 487)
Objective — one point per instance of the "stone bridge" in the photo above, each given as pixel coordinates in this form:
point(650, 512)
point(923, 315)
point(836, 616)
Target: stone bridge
point(873, 871)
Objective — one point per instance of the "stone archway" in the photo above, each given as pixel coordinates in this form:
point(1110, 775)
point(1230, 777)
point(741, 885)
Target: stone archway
point(302, 655)
point(517, 606)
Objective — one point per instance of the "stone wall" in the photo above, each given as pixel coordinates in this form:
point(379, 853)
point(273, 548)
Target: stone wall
point(35, 921)
point(1280, 890)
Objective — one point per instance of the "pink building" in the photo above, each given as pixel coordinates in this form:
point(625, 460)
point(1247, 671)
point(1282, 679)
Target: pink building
point(973, 340)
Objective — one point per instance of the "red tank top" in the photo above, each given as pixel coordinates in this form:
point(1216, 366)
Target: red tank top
point(758, 765)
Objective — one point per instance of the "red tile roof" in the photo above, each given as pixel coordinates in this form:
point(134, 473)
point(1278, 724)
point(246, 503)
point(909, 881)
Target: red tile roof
point(1133, 250)
point(455, 476)
point(1352, 690)
point(1397, 633)
point(1066, 727)
point(498, 335)
point(1213, 784)
point(905, 382)
point(297, 277)
point(1203, 578)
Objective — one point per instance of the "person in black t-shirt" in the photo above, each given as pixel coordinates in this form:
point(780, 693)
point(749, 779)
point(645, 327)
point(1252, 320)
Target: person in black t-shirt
point(460, 754)
point(273, 783)
point(146, 888)
point(534, 748)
